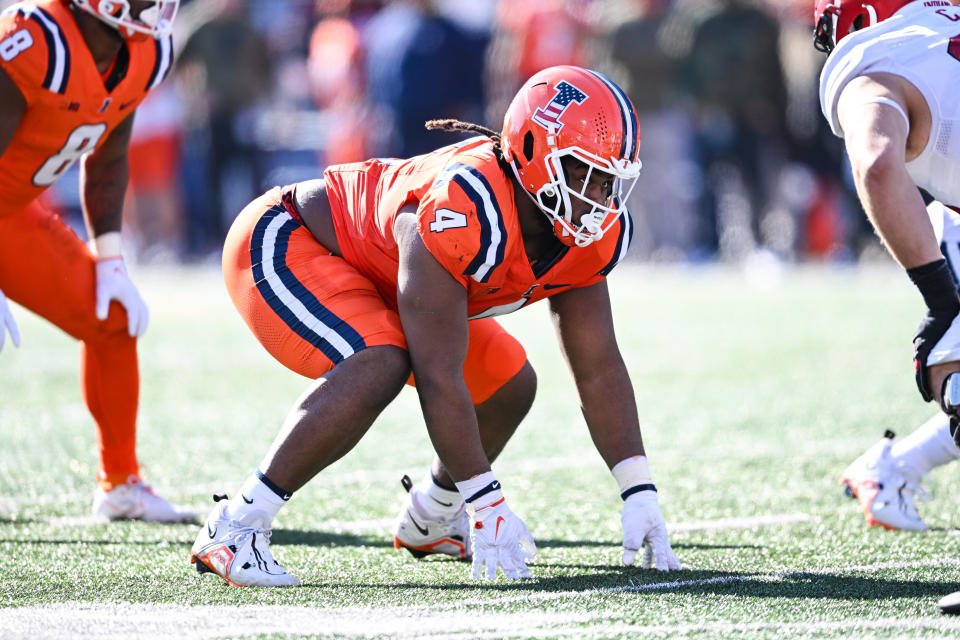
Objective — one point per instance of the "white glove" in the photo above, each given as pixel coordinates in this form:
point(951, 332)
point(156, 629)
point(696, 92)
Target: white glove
point(113, 283)
point(498, 537)
point(7, 323)
point(643, 526)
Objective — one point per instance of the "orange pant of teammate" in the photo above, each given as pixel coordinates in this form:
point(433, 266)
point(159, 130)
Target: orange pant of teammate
point(46, 268)
point(311, 309)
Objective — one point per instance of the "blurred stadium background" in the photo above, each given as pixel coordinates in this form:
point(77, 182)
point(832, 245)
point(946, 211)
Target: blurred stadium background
point(751, 389)
point(738, 161)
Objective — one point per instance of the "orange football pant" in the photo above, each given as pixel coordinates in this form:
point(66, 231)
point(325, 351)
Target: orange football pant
point(46, 268)
point(310, 309)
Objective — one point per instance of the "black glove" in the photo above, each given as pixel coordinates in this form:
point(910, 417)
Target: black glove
point(955, 429)
point(936, 285)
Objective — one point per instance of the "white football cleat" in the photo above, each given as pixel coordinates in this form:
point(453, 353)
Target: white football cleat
point(885, 488)
point(238, 551)
point(422, 536)
point(137, 501)
point(950, 604)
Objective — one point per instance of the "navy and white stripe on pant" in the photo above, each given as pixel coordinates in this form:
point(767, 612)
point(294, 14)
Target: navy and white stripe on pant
point(286, 295)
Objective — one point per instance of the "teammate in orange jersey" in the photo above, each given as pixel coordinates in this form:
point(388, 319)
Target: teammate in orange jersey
point(391, 265)
point(72, 72)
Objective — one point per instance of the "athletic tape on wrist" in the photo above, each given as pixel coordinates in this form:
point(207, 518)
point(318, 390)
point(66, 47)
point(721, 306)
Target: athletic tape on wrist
point(487, 490)
point(106, 245)
point(632, 476)
point(477, 486)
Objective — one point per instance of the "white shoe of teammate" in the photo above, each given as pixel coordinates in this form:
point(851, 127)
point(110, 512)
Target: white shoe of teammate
point(238, 551)
point(422, 536)
point(137, 501)
point(885, 489)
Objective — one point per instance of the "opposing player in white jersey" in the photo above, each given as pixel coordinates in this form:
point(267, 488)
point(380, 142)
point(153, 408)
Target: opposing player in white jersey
point(889, 477)
point(890, 89)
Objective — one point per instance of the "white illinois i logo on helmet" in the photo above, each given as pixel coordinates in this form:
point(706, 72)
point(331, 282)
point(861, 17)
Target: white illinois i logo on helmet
point(549, 116)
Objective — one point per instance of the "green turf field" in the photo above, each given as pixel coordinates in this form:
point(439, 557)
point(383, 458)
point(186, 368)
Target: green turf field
point(754, 394)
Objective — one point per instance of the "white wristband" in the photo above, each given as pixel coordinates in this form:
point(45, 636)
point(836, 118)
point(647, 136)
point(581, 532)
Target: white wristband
point(632, 472)
point(106, 245)
point(469, 488)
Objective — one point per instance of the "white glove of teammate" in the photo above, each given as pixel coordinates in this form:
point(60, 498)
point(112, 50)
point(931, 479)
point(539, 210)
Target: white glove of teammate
point(7, 323)
point(643, 526)
point(113, 283)
point(498, 537)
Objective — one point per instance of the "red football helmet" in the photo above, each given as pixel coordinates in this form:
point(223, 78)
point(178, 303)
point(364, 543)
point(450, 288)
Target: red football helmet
point(836, 19)
point(155, 19)
point(569, 112)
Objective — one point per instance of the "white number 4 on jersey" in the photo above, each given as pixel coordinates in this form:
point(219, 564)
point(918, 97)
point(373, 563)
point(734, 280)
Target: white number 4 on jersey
point(446, 219)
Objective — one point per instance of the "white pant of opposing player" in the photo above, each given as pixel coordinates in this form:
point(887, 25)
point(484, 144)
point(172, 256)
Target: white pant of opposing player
point(946, 226)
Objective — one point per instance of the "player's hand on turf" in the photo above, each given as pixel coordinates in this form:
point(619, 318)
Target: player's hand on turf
point(113, 283)
point(7, 323)
point(500, 539)
point(644, 527)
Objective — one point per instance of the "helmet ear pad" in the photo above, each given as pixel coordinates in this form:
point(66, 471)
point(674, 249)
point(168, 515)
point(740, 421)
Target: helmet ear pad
point(528, 145)
point(529, 159)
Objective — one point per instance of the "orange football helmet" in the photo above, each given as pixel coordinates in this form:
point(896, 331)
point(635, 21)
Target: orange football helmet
point(155, 19)
point(569, 112)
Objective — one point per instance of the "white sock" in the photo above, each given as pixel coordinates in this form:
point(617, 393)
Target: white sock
point(433, 501)
point(254, 495)
point(928, 447)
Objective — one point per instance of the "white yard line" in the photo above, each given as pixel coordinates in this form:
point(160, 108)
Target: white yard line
point(162, 621)
point(787, 629)
point(435, 621)
point(543, 596)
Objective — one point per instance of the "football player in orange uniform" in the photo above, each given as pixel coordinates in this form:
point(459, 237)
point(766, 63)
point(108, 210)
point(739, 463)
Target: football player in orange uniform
point(72, 72)
point(391, 265)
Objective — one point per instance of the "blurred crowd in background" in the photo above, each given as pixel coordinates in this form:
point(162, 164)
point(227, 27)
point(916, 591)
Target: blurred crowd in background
point(738, 160)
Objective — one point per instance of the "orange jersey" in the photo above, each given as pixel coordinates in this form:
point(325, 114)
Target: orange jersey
point(468, 221)
point(71, 109)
